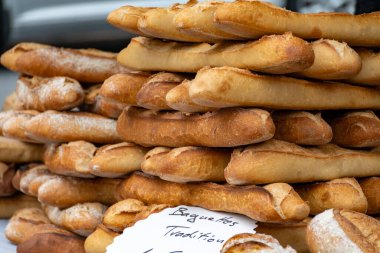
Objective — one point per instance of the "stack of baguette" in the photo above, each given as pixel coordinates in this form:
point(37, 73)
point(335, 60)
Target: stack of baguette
point(240, 107)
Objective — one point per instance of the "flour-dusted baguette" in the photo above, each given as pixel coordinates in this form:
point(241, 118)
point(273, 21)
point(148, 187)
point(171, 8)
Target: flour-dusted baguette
point(81, 219)
point(178, 98)
point(357, 129)
point(53, 126)
point(9, 205)
point(52, 93)
point(333, 61)
point(254, 243)
point(223, 128)
point(291, 233)
point(252, 19)
point(7, 172)
point(228, 87)
point(300, 127)
point(84, 65)
point(71, 159)
point(152, 95)
point(371, 189)
point(368, 74)
point(29, 180)
point(279, 161)
point(272, 203)
point(64, 192)
point(98, 241)
point(341, 193)
point(15, 126)
point(343, 231)
point(187, 164)
point(11, 102)
point(15, 151)
point(277, 54)
point(117, 160)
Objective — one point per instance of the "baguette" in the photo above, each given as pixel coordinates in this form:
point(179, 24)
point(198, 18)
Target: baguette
point(11, 102)
point(186, 164)
point(53, 126)
point(84, 65)
point(54, 93)
point(357, 130)
point(64, 192)
point(29, 181)
point(277, 54)
point(252, 19)
point(368, 74)
point(278, 161)
point(343, 231)
point(272, 203)
point(371, 189)
point(98, 241)
point(302, 128)
point(228, 87)
point(333, 61)
point(254, 243)
point(292, 234)
point(341, 193)
point(9, 205)
point(152, 95)
point(7, 172)
point(178, 98)
point(14, 151)
point(81, 219)
point(71, 159)
point(15, 126)
point(223, 128)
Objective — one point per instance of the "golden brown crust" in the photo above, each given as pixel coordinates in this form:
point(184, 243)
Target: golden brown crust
point(11, 102)
point(341, 193)
point(371, 189)
point(224, 128)
point(187, 164)
point(368, 74)
point(277, 203)
point(6, 174)
point(15, 126)
point(84, 65)
point(302, 128)
point(357, 130)
point(228, 87)
point(279, 161)
point(98, 241)
point(29, 180)
point(277, 54)
point(14, 151)
point(9, 205)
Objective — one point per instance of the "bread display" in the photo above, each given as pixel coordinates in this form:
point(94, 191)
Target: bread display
point(368, 74)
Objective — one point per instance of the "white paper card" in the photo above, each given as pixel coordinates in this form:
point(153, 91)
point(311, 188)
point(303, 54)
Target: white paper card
point(181, 229)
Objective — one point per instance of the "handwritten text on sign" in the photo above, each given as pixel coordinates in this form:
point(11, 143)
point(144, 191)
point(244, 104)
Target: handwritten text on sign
point(182, 229)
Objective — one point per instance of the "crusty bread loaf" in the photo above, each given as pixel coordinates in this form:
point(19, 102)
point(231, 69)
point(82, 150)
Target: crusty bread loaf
point(254, 243)
point(302, 128)
point(98, 241)
point(276, 54)
point(278, 161)
point(71, 159)
point(187, 164)
point(152, 95)
point(272, 203)
point(9, 205)
point(292, 234)
point(6, 174)
point(343, 231)
point(84, 65)
point(227, 87)
point(29, 180)
point(127, 212)
point(252, 19)
point(223, 128)
point(64, 192)
point(53, 126)
point(357, 129)
point(15, 126)
point(341, 193)
point(81, 219)
point(14, 151)
point(333, 61)
point(11, 102)
point(371, 189)
point(178, 98)
point(368, 74)
point(49, 93)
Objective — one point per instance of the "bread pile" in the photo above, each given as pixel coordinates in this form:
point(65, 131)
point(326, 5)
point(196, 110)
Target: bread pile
point(240, 107)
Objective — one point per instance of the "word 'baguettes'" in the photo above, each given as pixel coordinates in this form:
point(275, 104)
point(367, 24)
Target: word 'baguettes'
point(230, 87)
point(223, 128)
point(278, 161)
point(275, 54)
point(271, 203)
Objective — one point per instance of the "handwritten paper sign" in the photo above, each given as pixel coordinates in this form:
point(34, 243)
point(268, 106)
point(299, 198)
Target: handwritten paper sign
point(181, 229)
